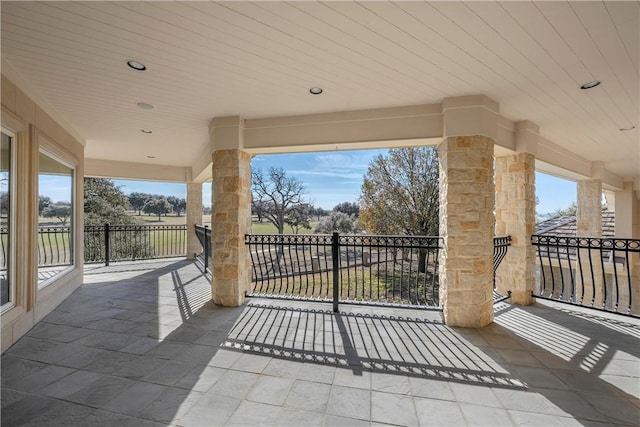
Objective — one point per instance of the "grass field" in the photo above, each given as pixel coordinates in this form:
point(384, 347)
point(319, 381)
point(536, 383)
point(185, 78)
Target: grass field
point(362, 284)
point(264, 227)
point(268, 228)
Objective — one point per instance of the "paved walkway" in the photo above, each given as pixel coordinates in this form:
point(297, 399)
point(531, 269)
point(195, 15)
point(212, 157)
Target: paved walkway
point(140, 344)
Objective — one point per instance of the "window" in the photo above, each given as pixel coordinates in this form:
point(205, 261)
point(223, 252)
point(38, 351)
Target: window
point(6, 163)
point(55, 218)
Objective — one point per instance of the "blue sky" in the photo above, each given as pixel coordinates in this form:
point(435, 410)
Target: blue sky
point(330, 178)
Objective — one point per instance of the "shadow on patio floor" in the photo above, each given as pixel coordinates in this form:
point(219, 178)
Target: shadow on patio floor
point(143, 347)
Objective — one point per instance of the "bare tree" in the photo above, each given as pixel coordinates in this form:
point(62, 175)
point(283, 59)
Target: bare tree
point(277, 194)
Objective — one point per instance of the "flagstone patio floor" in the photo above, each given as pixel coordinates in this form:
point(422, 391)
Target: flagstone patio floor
point(141, 344)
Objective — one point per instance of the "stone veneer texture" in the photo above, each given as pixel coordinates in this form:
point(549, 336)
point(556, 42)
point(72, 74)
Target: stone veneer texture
point(515, 216)
point(231, 220)
point(467, 196)
point(194, 217)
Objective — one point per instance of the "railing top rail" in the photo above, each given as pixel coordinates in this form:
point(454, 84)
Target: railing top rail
point(201, 228)
point(54, 227)
point(117, 227)
point(288, 239)
point(427, 242)
point(502, 240)
point(628, 245)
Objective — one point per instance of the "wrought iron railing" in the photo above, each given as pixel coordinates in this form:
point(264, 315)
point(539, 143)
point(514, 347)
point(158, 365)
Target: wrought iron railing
point(54, 246)
point(106, 243)
point(600, 273)
point(204, 236)
point(500, 247)
point(4, 247)
point(360, 269)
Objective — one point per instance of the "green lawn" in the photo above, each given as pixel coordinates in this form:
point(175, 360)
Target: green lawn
point(361, 284)
point(268, 228)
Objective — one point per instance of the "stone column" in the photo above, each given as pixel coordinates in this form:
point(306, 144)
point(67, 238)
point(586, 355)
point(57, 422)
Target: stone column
point(516, 215)
point(627, 208)
point(467, 201)
point(230, 212)
point(467, 225)
point(194, 217)
point(627, 226)
point(589, 213)
point(589, 224)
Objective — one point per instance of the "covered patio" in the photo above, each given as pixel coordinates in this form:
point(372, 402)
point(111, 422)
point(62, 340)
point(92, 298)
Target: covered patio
point(141, 344)
point(189, 92)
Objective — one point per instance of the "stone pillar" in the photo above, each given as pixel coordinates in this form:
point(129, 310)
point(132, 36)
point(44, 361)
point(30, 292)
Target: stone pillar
point(589, 224)
point(467, 225)
point(194, 217)
point(627, 208)
point(627, 226)
point(230, 212)
point(516, 216)
point(589, 213)
point(467, 201)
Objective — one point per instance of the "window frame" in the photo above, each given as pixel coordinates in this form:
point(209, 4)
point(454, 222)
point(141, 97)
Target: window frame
point(11, 229)
point(42, 150)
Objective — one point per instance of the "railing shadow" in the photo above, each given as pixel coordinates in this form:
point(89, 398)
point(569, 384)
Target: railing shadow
point(361, 342)
point(587, 360)
point(156, 331)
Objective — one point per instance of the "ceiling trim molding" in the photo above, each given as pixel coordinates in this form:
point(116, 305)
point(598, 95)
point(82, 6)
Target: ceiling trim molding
point(100, 168)
point(327, 131)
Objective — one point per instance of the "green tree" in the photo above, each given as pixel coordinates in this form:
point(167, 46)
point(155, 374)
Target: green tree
point(137, 201)
point(350, 208)
point(570, 210)
point(43, 202)
point(278, 194)
point(104, 202)
point(158, 206)
point(299, 217)
point(337, 222)
point(257, 209)
point(59, 210)
point(400, 194)
point(4, 203)
point(178, 204)
point(319, 212)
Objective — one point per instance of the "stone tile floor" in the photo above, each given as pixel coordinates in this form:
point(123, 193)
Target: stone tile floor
point(140, 344)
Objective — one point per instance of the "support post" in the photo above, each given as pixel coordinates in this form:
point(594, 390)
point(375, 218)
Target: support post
point(335, 256)
point(467, 201)
point(590, 282)
point(107, 245)
point(515, 216)
point(194, 217)
point(207, 243)
point(230, 211)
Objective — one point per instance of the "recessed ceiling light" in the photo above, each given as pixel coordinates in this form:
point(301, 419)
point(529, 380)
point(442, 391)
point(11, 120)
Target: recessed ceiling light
point(146, 131)
point(138, 66)
point(151, 157)
point(145, 106)
point(315, 90)
point(590, 85)
point(628, 128)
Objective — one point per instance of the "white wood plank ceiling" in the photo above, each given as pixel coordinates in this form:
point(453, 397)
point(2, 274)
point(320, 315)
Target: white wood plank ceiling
point(259, 59)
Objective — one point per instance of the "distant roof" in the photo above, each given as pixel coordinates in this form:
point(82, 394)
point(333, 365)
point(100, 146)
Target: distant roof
point(566, 225)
